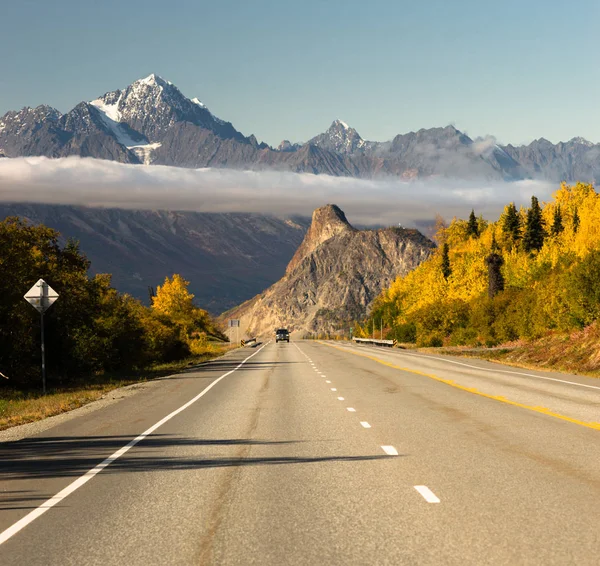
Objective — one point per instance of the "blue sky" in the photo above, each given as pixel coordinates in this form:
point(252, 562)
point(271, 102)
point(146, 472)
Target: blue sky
point(281, 69)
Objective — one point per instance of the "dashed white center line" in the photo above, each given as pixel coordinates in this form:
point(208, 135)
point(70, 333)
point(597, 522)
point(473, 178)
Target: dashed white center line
point(390, 450)
point(351, 409)
point(365, 424)
point(340, 398)
point(427, 494)
point(327, 381)
point(333, 389)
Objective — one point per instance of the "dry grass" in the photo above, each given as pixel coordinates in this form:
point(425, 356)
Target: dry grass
point(578, 352)
point(18, 407)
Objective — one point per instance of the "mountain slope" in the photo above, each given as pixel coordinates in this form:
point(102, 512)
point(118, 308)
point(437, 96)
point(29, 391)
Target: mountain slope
point(333, 277)
point(226, 257)
point(577, 159)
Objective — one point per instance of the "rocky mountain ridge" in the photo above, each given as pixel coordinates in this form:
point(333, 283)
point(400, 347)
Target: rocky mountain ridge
point(333, 277)
point(152, 122)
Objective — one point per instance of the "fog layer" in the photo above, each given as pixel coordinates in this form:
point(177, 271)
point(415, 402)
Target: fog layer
point(97, 183)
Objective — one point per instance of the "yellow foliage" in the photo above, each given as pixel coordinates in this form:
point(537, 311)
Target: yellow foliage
point(173, 299)
point(421, 292)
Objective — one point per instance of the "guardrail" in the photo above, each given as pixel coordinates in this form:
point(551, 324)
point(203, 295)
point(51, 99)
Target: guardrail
point(249, 342)
point(388, 343)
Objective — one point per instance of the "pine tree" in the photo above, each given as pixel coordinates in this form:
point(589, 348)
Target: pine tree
point(533, 239)
point(575, 221)
point(511, 223)
point(495, 278)
point(494, 248)
point(557, 223)
point(472, 226)
point(446, 269)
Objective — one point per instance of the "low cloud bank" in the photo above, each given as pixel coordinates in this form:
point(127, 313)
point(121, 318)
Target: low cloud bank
point(97, 183)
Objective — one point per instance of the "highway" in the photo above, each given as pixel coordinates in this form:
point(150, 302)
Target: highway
point(316, 453)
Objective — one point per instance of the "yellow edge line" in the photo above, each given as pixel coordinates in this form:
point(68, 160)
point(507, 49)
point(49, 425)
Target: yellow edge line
point(543, 410)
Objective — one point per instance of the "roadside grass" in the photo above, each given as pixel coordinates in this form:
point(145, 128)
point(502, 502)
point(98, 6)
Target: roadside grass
point(20, 407)
point(577, 352)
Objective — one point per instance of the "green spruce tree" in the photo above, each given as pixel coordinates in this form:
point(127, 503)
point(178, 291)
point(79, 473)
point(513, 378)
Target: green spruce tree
point(473, 226)
point(557, 223)
point(446, 269)
point(495, 278)
point(575, 221)
point(511, 224)
point(533, 239)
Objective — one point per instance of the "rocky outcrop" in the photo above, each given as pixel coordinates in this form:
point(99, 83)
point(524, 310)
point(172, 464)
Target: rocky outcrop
point(327, 222)
point(334, 276)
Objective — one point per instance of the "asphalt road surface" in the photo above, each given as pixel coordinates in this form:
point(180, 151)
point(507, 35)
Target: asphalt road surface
point(316, 453)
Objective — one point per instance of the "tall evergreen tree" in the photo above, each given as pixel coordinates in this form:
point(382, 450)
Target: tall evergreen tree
point(533, 239)
point(472, 226)
point(511, 223)
point(495, 278)
point(575, 221)
point(557, 223)
point(446, 269)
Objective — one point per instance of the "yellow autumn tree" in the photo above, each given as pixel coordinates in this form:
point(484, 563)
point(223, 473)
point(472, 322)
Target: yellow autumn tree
point(174, 300)
point(538, 285)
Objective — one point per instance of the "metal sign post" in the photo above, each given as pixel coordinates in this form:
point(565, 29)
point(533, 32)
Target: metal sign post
point(235, 323)
point(41, 297)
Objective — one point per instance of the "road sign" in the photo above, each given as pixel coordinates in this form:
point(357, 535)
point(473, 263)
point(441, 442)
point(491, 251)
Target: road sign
point(235, 323)
point(41, 296)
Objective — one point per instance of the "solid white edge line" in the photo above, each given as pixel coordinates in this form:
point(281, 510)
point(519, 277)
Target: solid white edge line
point(403, 353)
point(427, 494)
point(365, 424)
point(390, 450)
point(33, 515)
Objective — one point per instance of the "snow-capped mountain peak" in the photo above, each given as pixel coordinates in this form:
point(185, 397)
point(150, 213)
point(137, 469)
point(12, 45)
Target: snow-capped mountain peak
point(342, 124)
point(154, 80)
point(198, 102)
point(340, 137)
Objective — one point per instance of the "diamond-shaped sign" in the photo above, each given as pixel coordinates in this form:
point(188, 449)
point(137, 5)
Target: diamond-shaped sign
point(41, 296)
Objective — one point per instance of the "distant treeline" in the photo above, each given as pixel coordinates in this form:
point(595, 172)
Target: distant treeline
point(532, 272)
point(91, 328)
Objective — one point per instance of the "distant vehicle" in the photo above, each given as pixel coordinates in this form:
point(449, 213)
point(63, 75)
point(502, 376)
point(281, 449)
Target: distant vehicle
point(281, 335)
